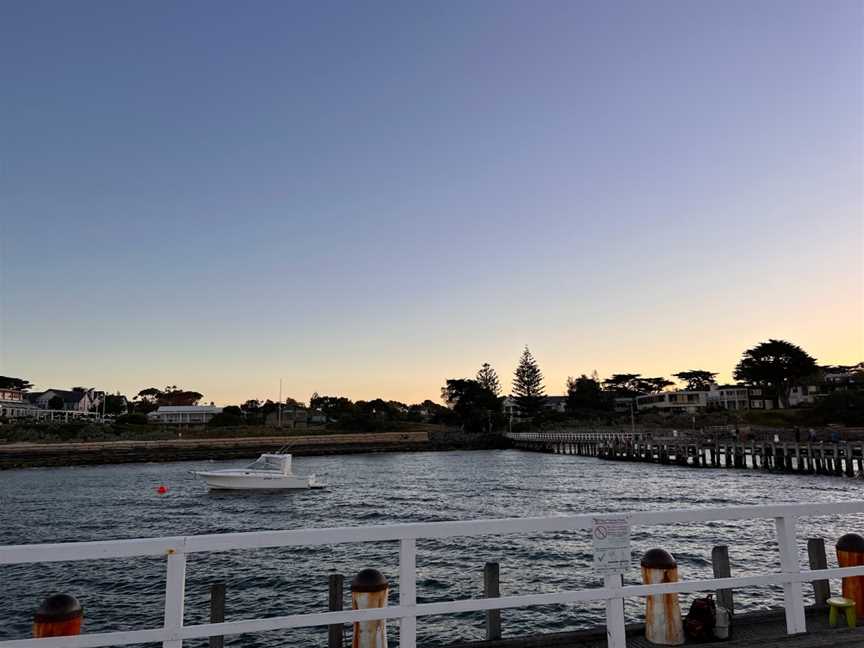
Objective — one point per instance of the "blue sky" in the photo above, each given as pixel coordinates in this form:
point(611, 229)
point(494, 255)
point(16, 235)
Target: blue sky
point(367, 198)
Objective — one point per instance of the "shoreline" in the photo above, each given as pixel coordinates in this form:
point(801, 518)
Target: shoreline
point(89, 453)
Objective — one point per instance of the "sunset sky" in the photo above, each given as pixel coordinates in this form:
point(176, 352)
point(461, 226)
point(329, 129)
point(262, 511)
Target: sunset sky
point(366, 198)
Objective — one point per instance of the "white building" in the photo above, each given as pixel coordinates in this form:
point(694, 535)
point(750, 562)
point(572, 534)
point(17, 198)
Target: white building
point(75, 400)
point(677, 401)
point(183, 414)
point(14, 404)
point(729, 397)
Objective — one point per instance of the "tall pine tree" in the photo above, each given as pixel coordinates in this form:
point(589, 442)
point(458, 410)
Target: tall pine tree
point(528, 385)
point(487, 378)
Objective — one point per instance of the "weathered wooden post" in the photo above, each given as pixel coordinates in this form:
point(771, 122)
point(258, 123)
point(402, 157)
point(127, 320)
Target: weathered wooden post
point(60, 615)
point(662, 612)
point(369, 589)
point(217, 611)
point(850, 553)
point(722, 569)
point(335, 595)
point(818, 560)
point(492, 589)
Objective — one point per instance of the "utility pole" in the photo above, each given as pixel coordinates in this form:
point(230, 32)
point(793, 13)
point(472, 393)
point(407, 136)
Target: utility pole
point(279, 409)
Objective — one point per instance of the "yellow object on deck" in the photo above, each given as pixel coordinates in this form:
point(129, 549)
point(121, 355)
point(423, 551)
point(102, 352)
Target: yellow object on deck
point(839, 603)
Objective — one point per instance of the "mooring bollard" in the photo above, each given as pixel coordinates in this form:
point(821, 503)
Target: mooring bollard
point(662, 612)
point(850, 553)
point(369, 589)
point(60, 615)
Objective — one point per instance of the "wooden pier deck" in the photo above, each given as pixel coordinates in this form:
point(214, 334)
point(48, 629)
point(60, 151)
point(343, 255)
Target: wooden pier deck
point(764, 629)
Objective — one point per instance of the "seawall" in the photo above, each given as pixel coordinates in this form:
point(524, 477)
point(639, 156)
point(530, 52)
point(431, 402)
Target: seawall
point(30, 455)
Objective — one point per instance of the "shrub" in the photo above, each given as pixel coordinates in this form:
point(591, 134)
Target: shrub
point(224, 419)
point(136, 418)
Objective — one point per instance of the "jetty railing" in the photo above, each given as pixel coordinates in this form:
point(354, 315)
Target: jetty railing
point(175, 549)
point(574, 436)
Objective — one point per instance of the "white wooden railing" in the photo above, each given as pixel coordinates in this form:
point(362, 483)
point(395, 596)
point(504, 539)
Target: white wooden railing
point(173, 631)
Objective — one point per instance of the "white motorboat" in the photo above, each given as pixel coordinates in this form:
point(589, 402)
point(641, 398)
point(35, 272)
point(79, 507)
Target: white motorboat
point(268, 472)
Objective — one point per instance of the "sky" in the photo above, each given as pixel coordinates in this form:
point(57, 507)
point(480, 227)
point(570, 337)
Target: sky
point(367, 198)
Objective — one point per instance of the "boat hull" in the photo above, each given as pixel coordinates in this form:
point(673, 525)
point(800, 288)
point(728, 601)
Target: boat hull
point(228, 481)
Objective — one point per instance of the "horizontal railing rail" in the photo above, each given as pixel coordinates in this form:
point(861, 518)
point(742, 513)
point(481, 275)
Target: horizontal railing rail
point(173, 631)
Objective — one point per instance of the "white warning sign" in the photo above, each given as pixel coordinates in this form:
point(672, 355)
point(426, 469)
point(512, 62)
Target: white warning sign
point(611, 539)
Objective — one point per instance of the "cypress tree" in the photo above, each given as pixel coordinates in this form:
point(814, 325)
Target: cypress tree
point(528, 385)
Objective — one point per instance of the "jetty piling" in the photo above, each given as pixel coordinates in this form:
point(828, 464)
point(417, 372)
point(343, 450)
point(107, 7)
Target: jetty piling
point(59, 615)
point(663, 623)
point(369, 589)
point(702, 450)
point(850, 553)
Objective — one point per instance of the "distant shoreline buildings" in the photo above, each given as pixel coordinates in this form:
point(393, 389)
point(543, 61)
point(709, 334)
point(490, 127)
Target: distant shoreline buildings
point(60, 405)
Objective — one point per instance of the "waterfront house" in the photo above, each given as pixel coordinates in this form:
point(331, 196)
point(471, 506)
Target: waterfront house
point(729, 397)
point(845, 375)
point(555, 404)
point(291, 417)
point(624, 404)
point(676, 401)
point(551, 404)
point(14, 404)
point(183, 414)
point(761, 398)
point(77, 399)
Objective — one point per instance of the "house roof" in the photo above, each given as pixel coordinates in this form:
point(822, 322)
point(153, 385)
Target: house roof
point(556, 399)
point(68, 395)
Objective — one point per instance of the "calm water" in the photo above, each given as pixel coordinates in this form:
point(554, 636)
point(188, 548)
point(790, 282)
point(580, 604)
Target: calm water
point(74, 504)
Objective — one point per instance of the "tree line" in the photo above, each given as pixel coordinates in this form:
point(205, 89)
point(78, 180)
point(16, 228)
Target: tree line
point(775, 366)
point(477, 404)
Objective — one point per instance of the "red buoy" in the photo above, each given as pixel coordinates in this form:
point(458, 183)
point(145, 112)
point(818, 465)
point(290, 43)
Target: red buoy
point(162, 490)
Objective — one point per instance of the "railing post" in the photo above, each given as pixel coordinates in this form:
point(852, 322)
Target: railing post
point(492, 589)
point(335, 603)
point(217, 612)
point(616, 631)
point(793, 598)
point(175, 593)
point(818, 560)
point(408, 591)
point(722, 569)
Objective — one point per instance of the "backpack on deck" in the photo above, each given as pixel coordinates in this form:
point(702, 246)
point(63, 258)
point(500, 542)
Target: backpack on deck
point(700, 620)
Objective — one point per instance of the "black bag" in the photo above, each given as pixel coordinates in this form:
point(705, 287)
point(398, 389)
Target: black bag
point(699, 622)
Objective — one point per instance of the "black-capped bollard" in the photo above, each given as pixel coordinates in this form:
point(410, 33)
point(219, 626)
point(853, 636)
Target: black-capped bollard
point(662, 612)
point(850, 553)
point(60, 615)
point(369, 589)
